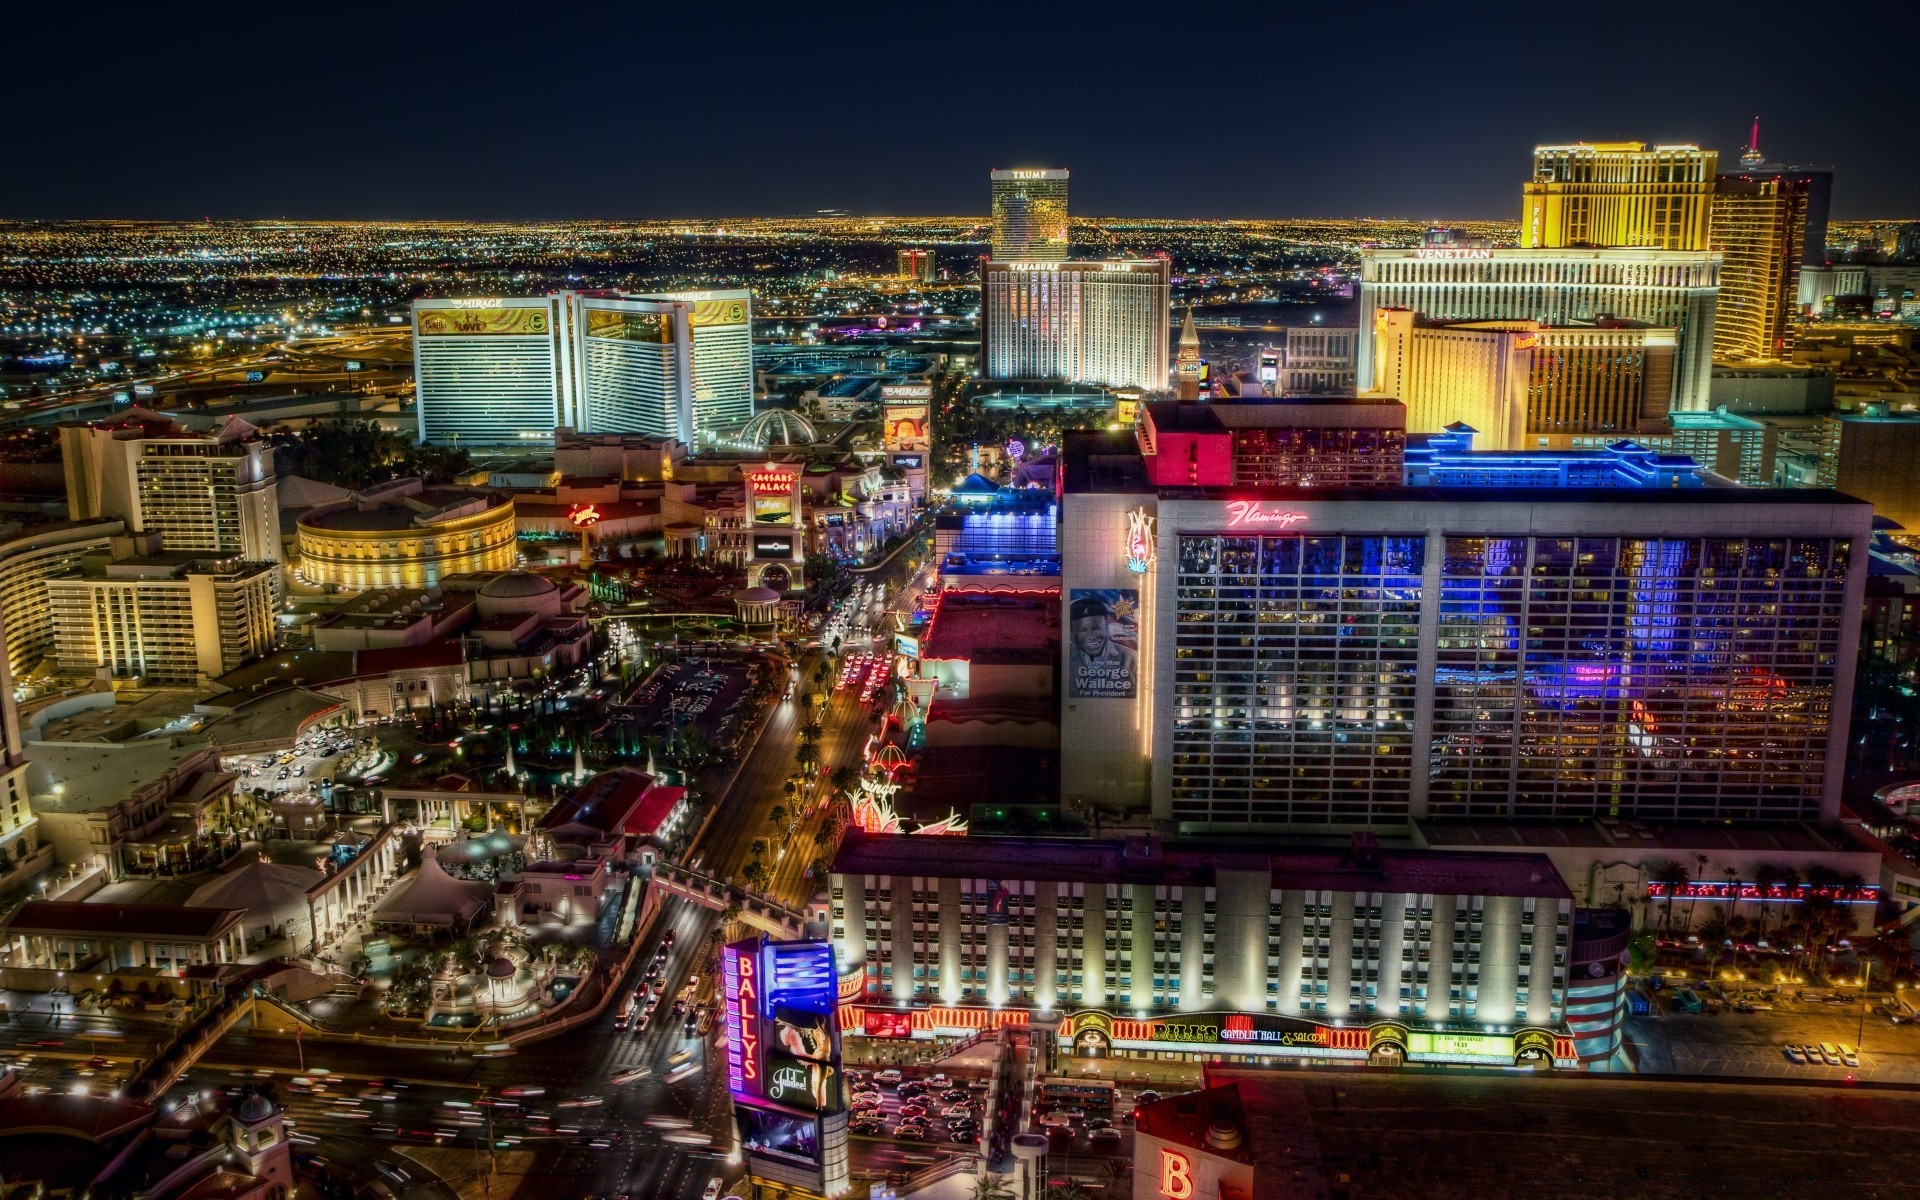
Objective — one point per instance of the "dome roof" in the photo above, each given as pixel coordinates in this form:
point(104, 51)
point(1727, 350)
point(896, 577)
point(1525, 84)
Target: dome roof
point(501, 968)
point(515, 585)
point(778, 427)
point(756, 595)
point(255, 1108)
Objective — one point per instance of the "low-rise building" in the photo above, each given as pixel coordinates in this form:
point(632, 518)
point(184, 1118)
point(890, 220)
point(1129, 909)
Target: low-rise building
point(404, 534)
point(103, 938)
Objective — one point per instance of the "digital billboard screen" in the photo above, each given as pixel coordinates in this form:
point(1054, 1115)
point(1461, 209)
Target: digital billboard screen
point(879, 1023)
point(772, 545)
point(904, 427)
point(775, 1134)
point(909, 462)
point(482, 322)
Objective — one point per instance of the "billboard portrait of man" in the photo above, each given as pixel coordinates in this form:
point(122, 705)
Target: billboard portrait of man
point(1104, 633)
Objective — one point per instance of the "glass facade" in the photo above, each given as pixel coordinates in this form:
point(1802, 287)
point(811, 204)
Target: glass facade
point(1281, 456)
point(1662, 678)
point(1294, 678)
point(1682, 679)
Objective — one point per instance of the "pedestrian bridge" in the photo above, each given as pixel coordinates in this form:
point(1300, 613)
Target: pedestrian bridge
point(718, 895)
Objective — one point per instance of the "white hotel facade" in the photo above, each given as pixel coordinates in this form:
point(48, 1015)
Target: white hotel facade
point(1667, 289)
point(1105, 323)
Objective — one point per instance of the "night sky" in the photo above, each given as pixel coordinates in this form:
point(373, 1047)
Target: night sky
point(484, 109)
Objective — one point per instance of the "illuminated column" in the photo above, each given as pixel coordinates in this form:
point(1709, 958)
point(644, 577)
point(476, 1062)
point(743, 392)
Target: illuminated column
point(1093, 956)
point(1193, 946)
point(996, 963)
point(1243, 906)
point(1393, 943)
point(853, 915)
point(903, 939)
point(1540, 970)
point(1499, 959)
point(1046, 945)
point(1293, 907)
point(1136, 947)
point(949, 941)
point(1340, 957)
point(1440, 960)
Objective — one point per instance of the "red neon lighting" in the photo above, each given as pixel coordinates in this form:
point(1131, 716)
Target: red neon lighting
point(585, 514)
point(1250, 512)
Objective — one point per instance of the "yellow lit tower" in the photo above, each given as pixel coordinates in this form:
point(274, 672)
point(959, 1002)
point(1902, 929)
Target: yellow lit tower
point(1618, 194)
point(1186, 361)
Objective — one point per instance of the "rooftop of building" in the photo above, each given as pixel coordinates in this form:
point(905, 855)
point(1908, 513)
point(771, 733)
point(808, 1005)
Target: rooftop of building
point(1189, 1118)
point(123, 920)
point(604, 803)
point(1455, 1136)
point(960, 779)
point(400, 506)
point(168, 565)
point(1312, 412)
point(84, 777)
point(1199, 860)
point(1098, 461)
point(995, 628)
point(1629, 834)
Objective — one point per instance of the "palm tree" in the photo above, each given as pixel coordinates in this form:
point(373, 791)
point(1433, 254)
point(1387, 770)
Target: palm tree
point(1673, 876)
point(808, 755)
point(989, 1188)
point(758, 847)
point(1766, 877)
point(777, 815)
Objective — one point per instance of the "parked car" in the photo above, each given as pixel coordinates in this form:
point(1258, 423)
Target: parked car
point(1794, 1053)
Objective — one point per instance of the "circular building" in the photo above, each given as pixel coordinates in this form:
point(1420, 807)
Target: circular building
point(520, 592)
point(777, 427)
point(405, 535)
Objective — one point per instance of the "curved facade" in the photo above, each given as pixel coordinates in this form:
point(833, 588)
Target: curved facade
point(391, 544)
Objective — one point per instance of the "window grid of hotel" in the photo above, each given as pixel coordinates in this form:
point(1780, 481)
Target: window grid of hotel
point(1329, 458)
point(1294, 678)
point(1689, 678)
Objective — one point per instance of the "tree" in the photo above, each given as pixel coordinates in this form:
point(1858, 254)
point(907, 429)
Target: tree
point(811, 731)
point(808, 755)
point(988, 1188)
point(844, 779)
point(777, 815)
point(1673, 876)
point(758, 848)
point(756, 875)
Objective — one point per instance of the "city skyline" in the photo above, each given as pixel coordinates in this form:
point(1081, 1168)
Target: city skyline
point(418, 120)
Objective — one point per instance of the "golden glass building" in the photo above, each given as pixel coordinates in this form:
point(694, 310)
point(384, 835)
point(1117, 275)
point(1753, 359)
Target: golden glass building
point(1618, 194)
point(1758, 228)
point(1030, 216)
point(404, 535)
point(1519, 384)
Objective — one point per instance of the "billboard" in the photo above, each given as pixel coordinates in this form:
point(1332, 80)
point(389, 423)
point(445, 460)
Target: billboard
point(622, 326)
point(773, 545)
point(718, 312)
point(906, 644)
point(908, 462)
point(904, 427)
point(880, 1023)
point(788, 1136)
point(481, 322)
point(1103, 646)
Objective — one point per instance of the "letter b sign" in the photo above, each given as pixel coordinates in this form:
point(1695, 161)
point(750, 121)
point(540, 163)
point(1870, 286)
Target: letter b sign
point(1176, 1176)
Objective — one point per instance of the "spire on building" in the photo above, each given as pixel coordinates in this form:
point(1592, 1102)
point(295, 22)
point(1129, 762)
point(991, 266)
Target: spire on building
point(1189, 336)
point(1187, 368)
point(1751, 159)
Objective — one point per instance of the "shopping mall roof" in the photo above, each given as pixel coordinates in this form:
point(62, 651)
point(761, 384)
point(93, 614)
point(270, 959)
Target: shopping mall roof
point(1195, 861)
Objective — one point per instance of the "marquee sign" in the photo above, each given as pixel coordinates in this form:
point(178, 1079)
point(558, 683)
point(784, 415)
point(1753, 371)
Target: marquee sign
point(584, 516)
point(1454, 252)
point(771, 480)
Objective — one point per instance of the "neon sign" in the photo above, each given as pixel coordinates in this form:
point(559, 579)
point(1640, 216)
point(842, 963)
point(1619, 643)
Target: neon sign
point(771, 482)
point(1779, 893)
point(1253, 513)
point(1453, 252)
point(584, 515)
point(1140, 548)
point(731, 959)
point(1176, 1175)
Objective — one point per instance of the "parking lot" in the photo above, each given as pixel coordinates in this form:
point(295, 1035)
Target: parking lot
point(315, 758)
point(1753, 1044)
point(706, 693)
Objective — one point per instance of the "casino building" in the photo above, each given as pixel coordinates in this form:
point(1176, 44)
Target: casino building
point(1306, 658)
point(1145, 947)
point(402, 534)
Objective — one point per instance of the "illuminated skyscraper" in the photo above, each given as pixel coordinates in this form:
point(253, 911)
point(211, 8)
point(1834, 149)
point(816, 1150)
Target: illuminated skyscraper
point(1818, 182)
point(916, 263)
point(210, 493)
point(487, 371)
point(1030, 216)
point(1083, 322)
point(1618, 194)
point(1759, 228)
point(630, 369)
